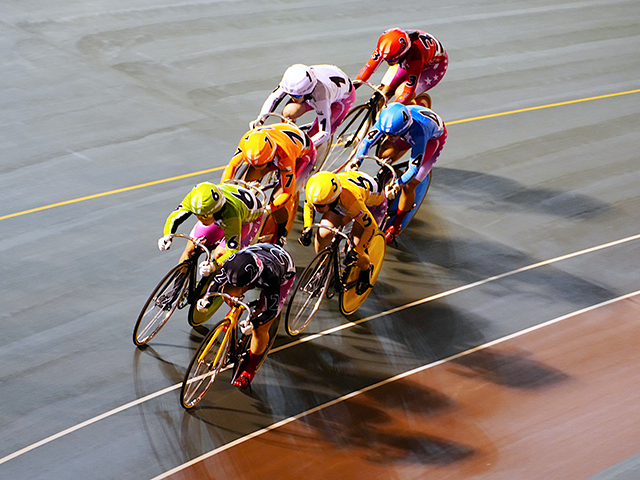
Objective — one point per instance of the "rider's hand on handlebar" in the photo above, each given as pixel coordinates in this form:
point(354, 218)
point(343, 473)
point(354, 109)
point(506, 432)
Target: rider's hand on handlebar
point(353, 165)
point(246, 327)
point(391, 191)
point(258, 122)
point(164, 243)
point(305, 237)
point(206, 269)
point(203, 304)
point(351, 257)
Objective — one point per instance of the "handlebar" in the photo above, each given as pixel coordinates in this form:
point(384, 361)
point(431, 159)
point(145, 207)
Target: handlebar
point(383, 163)
point(376, 90)
point(196, 241)
point(335, 231)
point(234, 300)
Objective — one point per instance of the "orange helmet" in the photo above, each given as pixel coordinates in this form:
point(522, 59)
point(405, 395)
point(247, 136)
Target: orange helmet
point(393, 44)
point(257, 147)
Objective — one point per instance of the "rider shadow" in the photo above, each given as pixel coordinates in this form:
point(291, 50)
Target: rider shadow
point(371, 424)
point(482, 191)
point(514, 369)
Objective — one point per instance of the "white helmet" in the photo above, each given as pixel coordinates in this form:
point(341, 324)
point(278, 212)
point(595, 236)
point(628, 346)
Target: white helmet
point(298, 80)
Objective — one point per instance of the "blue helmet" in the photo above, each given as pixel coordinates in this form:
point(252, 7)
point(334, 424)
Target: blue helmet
point(395, 119)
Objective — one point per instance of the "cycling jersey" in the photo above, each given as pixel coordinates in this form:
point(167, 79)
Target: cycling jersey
point(333, 86)
point(241, 208)
point(425, 50)
point(291, 144)
point(359, 192)
point(278, 272)
point(426, 125)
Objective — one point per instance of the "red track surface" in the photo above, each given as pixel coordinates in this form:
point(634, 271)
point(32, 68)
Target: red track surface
point(557, 402)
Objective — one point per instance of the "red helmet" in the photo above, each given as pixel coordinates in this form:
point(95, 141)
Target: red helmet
point(393, 44)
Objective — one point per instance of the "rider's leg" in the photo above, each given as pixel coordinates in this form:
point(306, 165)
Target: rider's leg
point(363, 261)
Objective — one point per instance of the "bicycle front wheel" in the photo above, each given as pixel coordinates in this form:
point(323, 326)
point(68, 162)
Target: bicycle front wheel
point(161, 304)
point(206, 364)
point(309, 293)
point(352, 130)
point(196, 317)
point(350, 301)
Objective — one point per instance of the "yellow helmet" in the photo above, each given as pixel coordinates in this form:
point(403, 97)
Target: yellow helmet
point(257, 147)
point(323, 188)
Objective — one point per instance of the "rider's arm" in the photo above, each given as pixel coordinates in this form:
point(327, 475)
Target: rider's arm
point(419, 144)
point(287, 166)
point(232, 224)
point(178, 216)
point(323, 111)
point(234, 163)
point(357, 209)
point(370, 67)
point(272, 101)
point(307, 214)
point(365, 145)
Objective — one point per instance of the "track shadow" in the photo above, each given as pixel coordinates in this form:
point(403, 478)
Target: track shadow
point(512, 369)
point(485, 192)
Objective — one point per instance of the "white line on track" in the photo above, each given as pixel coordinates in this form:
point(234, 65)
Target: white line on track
point(385, 382)
point(337, 329)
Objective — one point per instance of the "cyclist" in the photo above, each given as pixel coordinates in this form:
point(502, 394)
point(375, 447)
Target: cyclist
point(225, 209)
point(279, 146)
point(417, 62)
point(342, 198)
point(323, 88)
point(406, 127)
point(268, 268)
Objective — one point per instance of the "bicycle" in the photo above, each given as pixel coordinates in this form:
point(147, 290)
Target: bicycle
point(225, 346)
point(353, 129)
point(328, 274)
point(177, 289)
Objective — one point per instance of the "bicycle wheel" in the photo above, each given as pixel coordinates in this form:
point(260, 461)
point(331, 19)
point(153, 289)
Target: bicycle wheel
point(161, 304)
point(195, 317)
point(206, 364)
point(309, 293)
point(349, 300)
point(353, 129)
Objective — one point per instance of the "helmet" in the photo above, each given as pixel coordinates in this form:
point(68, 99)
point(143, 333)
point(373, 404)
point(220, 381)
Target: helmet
point(395, 119)
point(243, 268)
point(206, 199)
point(393, 44)
point(323, 188)
point(257, 147)
point(298, 80)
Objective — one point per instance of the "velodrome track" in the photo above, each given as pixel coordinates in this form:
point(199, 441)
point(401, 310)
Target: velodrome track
point(501, 339)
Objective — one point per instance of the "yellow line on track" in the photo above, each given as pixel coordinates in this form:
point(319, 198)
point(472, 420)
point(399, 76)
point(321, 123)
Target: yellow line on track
point(540, 107)
point(202, 172)
point(111, 192)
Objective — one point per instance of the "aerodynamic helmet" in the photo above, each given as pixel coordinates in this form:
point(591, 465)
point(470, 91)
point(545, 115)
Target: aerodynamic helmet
point(257, 147)
point(298, 80)
point(393, 44)
point(323, 188)
point(243, 268)
point(395, 119)
point(206, 199)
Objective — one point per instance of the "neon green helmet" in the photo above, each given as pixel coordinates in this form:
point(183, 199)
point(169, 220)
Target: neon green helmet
point(206, 199)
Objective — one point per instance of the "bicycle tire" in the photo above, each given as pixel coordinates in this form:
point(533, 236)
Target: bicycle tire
point(157, 310)
point(196, 317)
point(346, 140)
point(349, 300)
point(205, 365)
point(309, 293)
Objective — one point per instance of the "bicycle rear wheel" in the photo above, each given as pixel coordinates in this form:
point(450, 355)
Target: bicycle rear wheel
point(161, 304)
point(309, 293)
point(349, 300)
point(353, 129)
point(206, 364)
